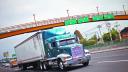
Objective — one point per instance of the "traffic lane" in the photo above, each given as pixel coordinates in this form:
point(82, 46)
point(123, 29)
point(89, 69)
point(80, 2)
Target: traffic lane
point(112, 61)
point(6, 69)
point(110, 55)
point(104, 67)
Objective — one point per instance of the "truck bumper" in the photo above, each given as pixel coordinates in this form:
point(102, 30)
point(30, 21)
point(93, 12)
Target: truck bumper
point(79, 60)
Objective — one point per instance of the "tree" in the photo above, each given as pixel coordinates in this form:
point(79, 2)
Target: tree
point(77, 32)
point(81, 38)
point(92, 40)
point(106, 37)
point(84, 41)
point(6, 54)
point(115, 35)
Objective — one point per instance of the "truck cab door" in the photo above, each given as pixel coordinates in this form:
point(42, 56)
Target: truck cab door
point(53, 50)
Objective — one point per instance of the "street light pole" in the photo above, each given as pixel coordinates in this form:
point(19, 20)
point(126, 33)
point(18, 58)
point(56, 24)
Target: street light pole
point(124, 9)
point(97, 8)
point(35, 19)
point(99, 26)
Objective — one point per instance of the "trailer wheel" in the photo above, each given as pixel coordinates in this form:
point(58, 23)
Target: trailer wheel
point(22, 67)
point(40, 66)
point(44, 66)
point(61, 65)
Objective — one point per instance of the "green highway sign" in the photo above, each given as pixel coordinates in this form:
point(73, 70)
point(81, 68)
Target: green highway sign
point(70, 22)
point(108, 16)
point(97, 18)
point(86, 19)
point(83, 20)
point(76, 21)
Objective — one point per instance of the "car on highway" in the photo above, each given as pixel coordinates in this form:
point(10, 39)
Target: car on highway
point(6, 64)
point(88, 55)
point(13, 63)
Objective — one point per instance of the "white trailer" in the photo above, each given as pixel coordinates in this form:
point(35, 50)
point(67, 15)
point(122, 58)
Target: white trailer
point(30, 50)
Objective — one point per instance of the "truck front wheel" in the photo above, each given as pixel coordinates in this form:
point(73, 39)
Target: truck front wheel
point(61, 65)
point(86, 63)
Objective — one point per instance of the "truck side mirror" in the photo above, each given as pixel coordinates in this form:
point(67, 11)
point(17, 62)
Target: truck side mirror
point(49, 46)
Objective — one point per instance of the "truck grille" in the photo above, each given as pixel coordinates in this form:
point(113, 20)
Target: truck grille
point(77, 52)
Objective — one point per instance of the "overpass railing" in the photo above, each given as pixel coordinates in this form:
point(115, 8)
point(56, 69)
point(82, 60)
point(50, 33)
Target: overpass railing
point(53, 21)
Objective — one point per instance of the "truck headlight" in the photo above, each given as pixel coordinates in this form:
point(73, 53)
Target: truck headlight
point(86, 51)
point(67, 58)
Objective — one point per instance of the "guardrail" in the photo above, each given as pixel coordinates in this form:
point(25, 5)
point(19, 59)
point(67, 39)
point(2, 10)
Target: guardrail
point(109, 44)
point(55, 20)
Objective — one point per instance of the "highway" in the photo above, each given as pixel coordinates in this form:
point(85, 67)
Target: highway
point(110, 61)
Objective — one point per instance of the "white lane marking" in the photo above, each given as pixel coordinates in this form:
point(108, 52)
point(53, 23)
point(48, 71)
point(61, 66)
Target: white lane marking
point(113, 61)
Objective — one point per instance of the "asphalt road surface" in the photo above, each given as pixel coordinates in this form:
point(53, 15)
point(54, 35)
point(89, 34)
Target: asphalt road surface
point(112, 61)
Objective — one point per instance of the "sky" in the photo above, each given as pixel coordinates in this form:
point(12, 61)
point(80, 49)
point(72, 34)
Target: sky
point(14, 12)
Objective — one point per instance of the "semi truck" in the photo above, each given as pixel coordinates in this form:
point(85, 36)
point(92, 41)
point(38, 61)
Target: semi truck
point(51, 48)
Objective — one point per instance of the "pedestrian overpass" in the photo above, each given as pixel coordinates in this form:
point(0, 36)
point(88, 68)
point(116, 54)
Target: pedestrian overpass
point(62, 21)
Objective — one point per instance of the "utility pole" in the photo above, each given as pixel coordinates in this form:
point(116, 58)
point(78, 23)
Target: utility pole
point(99, 27)
point(118, 31)
point(96, 37)
point(124, 9)
point(109, 30)
point(97, 9)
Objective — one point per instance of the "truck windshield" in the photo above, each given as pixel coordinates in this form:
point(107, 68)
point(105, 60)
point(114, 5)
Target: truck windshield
point(67, 42)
